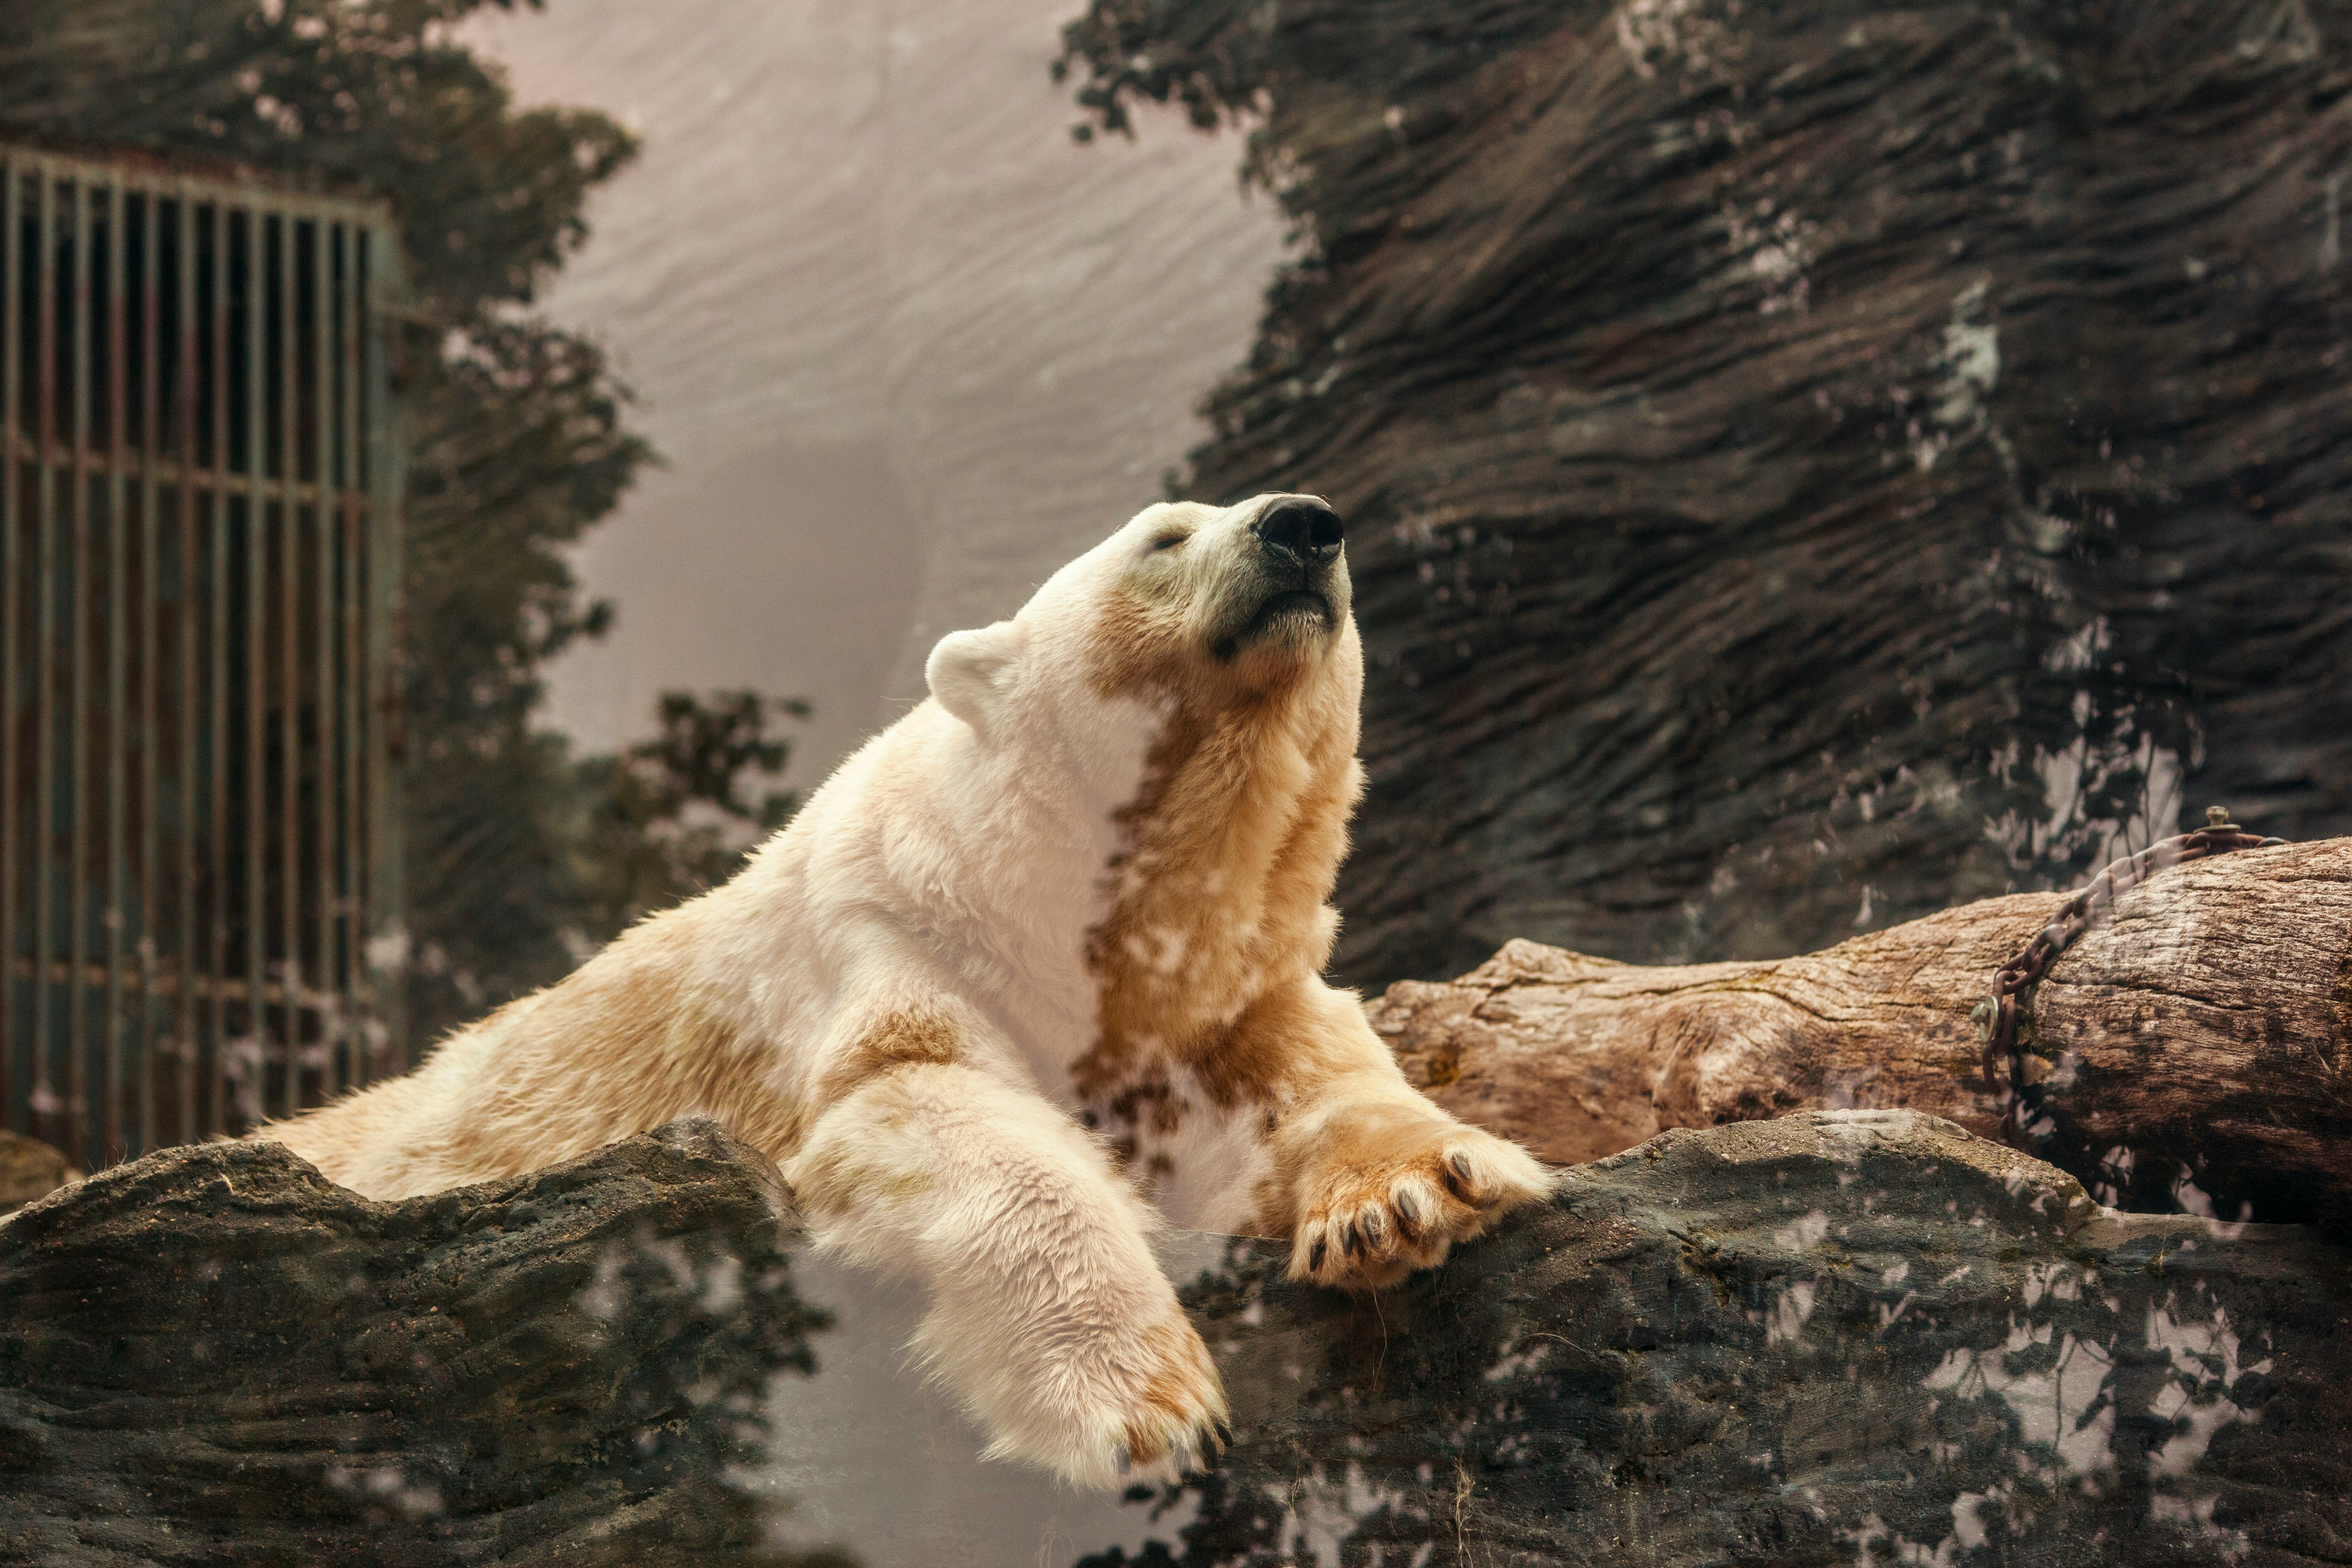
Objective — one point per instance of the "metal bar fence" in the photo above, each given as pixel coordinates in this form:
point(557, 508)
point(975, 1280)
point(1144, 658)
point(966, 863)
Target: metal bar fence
point(200, 488)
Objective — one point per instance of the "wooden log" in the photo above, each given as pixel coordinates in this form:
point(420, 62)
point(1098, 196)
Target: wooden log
point(2189, 1051)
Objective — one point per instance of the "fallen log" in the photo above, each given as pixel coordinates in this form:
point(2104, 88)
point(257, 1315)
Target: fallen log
point(2189, 1051)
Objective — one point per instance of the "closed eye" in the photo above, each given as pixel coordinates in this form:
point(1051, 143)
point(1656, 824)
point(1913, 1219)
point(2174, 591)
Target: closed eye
point(1167, 541)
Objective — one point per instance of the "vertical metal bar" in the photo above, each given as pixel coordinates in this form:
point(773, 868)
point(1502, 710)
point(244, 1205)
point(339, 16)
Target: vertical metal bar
point(184, 964)
point(255, 638)
point(353, 683)
point(11, 656)
point(388, 941)
point(216, 843)
point(102, 1091)
point(110, 1117)
point(151, 663)
point(351, 687)
point(323, 659)
point(85, 398)
point(45, 652)
point(290, 586)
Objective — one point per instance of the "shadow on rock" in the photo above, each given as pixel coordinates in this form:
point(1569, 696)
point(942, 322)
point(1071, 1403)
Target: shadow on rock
point(213, 1355)
point(1837, 1338)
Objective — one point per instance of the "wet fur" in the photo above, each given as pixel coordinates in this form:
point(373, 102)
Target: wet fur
point(1039, 966)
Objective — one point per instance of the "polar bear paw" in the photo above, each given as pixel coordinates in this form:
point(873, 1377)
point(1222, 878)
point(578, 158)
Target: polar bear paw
point(1126, 1408)
point(1179, 1414)
point(1396, 1193)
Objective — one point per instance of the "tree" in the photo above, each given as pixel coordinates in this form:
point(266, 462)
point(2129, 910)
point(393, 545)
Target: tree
point(670, 816)
point(520, 427)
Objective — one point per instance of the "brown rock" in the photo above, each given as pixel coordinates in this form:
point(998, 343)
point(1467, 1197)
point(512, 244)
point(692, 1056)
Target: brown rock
point(215, 1355)
point(1837, 1338)
point(2189, 1051)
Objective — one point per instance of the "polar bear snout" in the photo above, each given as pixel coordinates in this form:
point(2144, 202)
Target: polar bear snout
point(1287, 585)
point(1300, 530)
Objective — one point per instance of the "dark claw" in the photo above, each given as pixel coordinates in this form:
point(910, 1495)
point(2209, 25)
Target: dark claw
point(1349, 1242)
point(1315, 1256)
point(1457, 1177)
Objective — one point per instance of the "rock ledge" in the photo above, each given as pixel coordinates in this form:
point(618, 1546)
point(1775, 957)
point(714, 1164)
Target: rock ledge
point(214, 1354)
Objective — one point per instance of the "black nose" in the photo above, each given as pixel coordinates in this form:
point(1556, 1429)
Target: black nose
point(1301, 528)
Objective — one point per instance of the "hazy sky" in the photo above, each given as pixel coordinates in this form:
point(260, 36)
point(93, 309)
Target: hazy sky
point(906, 345)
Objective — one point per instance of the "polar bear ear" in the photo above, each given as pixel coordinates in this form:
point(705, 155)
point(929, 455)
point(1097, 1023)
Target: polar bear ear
point(969, 672)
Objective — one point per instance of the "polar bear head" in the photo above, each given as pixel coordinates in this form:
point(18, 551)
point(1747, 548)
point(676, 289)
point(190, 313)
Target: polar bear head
point(1198, 674)
point(1186, 609)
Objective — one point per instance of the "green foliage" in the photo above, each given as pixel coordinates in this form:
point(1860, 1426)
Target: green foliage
point(518, 430)
point(518, 447)
point(670, 816)
point(1207, 55)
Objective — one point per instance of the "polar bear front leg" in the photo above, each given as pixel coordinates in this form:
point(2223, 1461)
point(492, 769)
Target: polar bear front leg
point(1049, 1318)
point(1373, 1180)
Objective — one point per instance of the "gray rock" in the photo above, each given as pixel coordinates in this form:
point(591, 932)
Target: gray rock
point(213, 1355)
point(1844, 1337)
point(1840, 1337)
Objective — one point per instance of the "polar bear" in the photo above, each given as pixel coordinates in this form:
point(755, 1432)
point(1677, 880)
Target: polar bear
point(1041, 959)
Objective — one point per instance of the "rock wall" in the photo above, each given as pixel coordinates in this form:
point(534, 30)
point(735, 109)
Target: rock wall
point(1809, 464)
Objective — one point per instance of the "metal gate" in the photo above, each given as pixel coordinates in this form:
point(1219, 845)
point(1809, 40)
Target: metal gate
point(199, 558)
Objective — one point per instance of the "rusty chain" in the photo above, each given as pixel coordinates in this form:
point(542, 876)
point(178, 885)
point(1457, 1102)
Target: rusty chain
point(1996, 1016)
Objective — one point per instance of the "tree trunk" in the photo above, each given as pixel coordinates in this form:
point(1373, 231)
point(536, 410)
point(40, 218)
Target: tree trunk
point(2189, 1050)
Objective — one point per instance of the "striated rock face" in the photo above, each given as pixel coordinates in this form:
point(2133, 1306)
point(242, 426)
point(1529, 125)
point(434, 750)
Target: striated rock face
point(1809, 464)
point(213, 1356)
point(1858, 1337)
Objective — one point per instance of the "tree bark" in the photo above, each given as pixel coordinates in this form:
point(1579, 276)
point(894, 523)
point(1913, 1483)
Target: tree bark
point(2189, 1051)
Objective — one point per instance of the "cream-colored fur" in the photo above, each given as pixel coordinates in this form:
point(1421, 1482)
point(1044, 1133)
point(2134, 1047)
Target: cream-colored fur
point(1042, 958)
